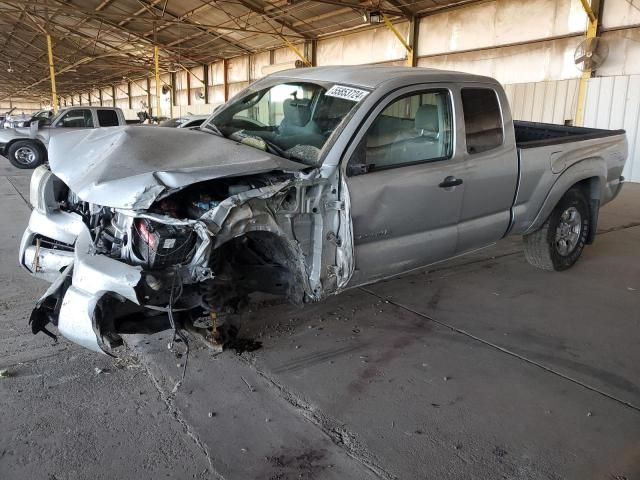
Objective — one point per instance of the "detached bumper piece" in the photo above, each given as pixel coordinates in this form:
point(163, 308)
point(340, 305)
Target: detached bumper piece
point(47, 309)
point(73, 302)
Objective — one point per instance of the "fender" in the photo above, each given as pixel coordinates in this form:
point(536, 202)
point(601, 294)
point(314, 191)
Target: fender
point(590, 168)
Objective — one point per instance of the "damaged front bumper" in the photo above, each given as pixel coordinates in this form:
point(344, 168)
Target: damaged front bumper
point(80, 279)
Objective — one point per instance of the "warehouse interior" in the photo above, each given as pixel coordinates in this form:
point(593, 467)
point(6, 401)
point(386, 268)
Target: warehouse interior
point(104, 52)
point(478, 367)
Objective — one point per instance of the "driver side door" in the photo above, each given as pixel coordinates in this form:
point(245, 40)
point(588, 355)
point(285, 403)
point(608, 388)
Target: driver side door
point(405, 184)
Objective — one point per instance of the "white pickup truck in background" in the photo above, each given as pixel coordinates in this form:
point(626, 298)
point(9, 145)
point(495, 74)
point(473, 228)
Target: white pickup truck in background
point(26, 147)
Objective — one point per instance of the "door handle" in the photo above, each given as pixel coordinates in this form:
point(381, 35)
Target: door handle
point(450, 182)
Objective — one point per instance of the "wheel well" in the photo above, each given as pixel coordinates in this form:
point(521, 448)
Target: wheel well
point(590, 188)
point(261, 261)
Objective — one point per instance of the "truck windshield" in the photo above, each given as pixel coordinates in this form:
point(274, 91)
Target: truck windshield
point(53, 118)
point(292, 120)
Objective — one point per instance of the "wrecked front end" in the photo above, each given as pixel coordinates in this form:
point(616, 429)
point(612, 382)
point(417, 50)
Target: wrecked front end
point(196, 254)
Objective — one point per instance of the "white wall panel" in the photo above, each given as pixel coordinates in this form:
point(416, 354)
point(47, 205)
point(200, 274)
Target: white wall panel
point(238, 69)
point(216, 74)
point(620, 12)
point(611, 103)
point(235, 88)
point(107, 99)
point(501, 22)
point(122, 103)
point(286, 55)
point(138, 88)
point(259, 61)
point(371, 46)
point(197, 75)
point(548, 60)
point(26, 107)
point(181, 80)
point(624, 53)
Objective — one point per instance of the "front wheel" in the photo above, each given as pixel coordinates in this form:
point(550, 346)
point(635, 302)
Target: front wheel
point(558, 244)
point(26, 154)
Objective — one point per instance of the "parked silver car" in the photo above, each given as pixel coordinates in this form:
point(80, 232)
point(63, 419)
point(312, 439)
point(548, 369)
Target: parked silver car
point(307, 183)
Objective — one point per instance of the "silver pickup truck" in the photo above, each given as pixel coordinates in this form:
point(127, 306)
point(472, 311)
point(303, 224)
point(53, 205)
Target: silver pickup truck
point(26, 147)
point(307, 183)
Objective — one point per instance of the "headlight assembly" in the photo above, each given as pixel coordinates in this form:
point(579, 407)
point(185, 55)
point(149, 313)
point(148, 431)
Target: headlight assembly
point(45, 190)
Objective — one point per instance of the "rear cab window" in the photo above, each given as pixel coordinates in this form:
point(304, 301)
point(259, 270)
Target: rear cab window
point(108, 118)
point(482, 119)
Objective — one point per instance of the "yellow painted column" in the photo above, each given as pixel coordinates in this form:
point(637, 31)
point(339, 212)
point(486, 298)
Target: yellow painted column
point(297, 51)
point(584, 79)
point(399, 36)
point(52, 75)
point(592, 32)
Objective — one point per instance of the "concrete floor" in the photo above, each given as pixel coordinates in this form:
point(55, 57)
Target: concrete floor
point(480, 368)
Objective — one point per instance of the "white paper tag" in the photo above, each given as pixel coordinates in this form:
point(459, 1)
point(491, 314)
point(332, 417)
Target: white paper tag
point(169, 243)
point(348, 93)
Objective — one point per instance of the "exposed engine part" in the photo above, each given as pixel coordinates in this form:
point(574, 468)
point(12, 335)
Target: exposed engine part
point(160, 245)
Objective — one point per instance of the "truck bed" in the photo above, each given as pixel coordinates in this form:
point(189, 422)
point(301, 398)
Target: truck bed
point(546, 151)
point(534, 134)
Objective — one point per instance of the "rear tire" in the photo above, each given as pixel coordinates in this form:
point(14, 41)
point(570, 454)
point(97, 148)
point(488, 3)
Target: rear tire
point(26, 154)
point(559, 242)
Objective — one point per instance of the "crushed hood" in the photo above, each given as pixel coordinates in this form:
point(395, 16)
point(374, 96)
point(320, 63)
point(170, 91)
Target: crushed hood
point(129, 167)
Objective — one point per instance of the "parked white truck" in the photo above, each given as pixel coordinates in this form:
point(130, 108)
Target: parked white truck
point(26, 147)
point(308, 182)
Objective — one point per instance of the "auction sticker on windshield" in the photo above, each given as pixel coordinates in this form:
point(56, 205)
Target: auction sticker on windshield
point(347, 93)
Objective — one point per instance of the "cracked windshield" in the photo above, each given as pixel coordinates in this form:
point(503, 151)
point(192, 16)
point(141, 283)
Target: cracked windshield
point(292, 120)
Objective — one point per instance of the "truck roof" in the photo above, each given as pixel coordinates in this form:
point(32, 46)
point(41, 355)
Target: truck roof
point(89, 107)
point(371, 76)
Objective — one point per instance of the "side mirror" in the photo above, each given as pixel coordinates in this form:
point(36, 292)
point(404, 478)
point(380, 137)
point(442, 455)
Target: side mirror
point(354, 169)
point(358, 162)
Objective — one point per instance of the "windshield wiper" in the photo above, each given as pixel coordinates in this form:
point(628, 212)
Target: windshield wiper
point(212, 126)
point(275, 148)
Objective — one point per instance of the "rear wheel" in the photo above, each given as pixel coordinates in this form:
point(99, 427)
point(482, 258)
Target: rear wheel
point(558, 244)
point(25, 154)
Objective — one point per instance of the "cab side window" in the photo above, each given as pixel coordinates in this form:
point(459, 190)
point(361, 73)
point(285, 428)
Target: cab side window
point(78, 118)
point(482, 119)
point(107, 118)
point(415, 128)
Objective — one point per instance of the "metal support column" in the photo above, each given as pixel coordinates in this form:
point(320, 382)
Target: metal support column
point(149, 107)
point(188, 87)
point(129, 95)
point(205, 71)
point(174, 99)
point(225, 77)
point(52, 75)
point(593, 13)
point(157, 72)
point(310, 47)
point(414, 28)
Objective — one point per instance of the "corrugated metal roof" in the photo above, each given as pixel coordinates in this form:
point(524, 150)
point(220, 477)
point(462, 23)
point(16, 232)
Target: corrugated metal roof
point(97, 42)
